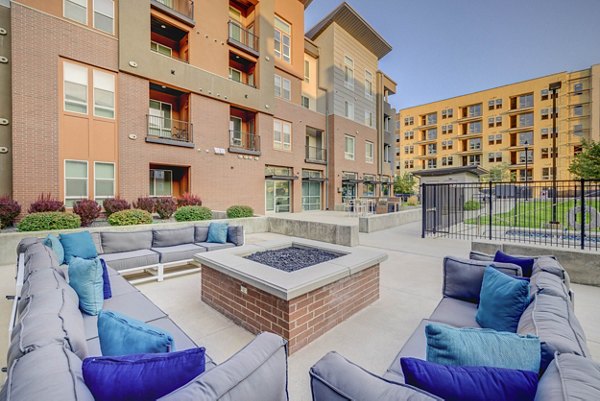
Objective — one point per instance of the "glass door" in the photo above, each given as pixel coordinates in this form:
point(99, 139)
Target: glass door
point(235, 130)
point(311, 195)
point(159, 122)
point(348, 191)
point(235, 27)
point(277, 195)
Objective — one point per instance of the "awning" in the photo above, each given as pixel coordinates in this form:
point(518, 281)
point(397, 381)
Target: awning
point(370, 181)
point(351, 181)
point(316, 179)
point(281, 177)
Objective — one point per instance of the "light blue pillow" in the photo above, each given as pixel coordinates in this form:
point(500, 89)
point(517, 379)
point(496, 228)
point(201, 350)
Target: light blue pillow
point(78, 244)
point(502, 301)
point(450, 346)
point(217, 233)
point(122, 335)
point(53, 243)
point(85, 276)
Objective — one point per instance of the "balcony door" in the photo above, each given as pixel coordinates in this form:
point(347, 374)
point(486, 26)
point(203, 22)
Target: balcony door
point(235, 130)
point(160, 121)
point(235, 29)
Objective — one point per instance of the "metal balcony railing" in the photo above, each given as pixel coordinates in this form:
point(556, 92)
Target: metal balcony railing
point(244, 140)
point(167, 128)
point(242, 37)
point(181, 7)
point(316, 154)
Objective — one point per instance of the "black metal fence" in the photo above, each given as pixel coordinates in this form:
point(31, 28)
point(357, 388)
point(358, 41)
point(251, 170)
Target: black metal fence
point(565, 214)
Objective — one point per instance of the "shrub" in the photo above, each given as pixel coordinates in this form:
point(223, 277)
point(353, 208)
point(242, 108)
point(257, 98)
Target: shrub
point(49, 221)
point(9, 210)
point(145, 203)
point(472, 205)
point(46, 203)
point(188, 199)
point(165, 207)
point(193, 213)
point(88, 210)
point(113, 205)
point(237, 211)
point(412, 201)
point(130, 217)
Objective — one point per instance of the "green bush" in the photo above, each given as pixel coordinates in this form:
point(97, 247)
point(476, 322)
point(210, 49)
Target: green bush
point(49, 221)
point(237, 211)
point(130, 217)
point(472, 205)
point(193, 213)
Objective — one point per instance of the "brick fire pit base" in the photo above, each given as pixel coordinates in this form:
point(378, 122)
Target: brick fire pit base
point(301, 319)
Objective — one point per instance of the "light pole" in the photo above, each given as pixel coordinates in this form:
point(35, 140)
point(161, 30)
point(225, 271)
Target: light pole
point(526, 170)
point(554, 87)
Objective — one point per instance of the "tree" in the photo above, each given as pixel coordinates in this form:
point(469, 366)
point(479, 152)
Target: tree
point(404, 184)
point(586, 164)
point(497, 173)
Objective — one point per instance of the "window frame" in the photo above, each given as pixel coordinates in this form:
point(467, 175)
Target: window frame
point(369, 158)
point(306, 71)
point(348, 72)
point(75, 2)
point(347, 155)
point(65, 178)
point(112, 32)
point(280, 53)
point(171, 181)
point(87, 87)
point(114, 180)
point(114, 108)
point(349, 109)
point(302, 102)
point(281, 144)
point(369, 92)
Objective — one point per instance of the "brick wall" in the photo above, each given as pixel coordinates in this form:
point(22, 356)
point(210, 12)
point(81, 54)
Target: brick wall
point(300, 320)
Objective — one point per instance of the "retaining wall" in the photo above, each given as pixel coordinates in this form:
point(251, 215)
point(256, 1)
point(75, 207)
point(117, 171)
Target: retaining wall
point(378, 222)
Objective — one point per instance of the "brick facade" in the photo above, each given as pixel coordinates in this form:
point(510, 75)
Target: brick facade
point(300, 320)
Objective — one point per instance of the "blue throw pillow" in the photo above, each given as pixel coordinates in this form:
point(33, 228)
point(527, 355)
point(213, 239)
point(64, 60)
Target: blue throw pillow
point(122, 335)
point(53, 242)
point(106, 289)
point(470, 383)
point(502, 301)
point(217, 233)
point(78, 244)
point(141, 377)
point(85, 276)
point(525, 263)
point(448, 345)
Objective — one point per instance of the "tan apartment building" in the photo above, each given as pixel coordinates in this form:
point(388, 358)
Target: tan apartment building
point(223, 99)
point(508, 126)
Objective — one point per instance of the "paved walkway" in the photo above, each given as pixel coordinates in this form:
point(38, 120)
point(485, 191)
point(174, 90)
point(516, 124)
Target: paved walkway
point(411, 281)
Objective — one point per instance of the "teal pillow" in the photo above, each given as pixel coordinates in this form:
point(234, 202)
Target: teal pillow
point(122, 335)
point(53, 243)
point(217, 233)
point(85, 276)
point(502, 301)
point(78, 244)
point(452, 346)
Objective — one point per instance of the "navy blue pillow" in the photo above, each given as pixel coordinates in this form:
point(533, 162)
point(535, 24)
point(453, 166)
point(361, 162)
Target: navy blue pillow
point(141, 377)
point(525, 263)
point(470, 383)
point(107, 290)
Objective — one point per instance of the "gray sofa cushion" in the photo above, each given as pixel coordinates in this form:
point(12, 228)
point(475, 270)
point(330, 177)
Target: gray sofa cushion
point(131, 259)
point(455, 312)
point(235, 235)
point(37, 257)
point(463, 277)
point(113, 242)
point(120, 286)
point(570, 377)
point(257, 372)
point(415, 347)
point(552, 319)
point(170, 237)
point(549, 284)
point(550, 265)
point(45, 280)
point(178, 252)
point(212, 246)
point(26, 243)
point(97, 238)
point(48, 317)
point(335, 378)
point(201, 233)
point(49, 373)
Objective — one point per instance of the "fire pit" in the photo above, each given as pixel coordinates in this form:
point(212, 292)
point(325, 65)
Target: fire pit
point(297, 299)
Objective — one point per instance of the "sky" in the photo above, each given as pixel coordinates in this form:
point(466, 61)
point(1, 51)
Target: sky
point(446, 48)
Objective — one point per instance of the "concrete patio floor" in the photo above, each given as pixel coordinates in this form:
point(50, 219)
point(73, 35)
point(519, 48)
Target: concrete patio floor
point(411, 282)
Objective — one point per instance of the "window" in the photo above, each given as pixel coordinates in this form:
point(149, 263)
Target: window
point(474, 110)
point(409, 135)
point(499, 121)
point(282, 135)
point(450, 113)
point(545, 153)
point(432, 163)
point(432, 149)
point(546, 173)
point(447, 145)
point(495, 139)
point(387, 153)
point(104, 94)
point(104, 180)
point(450, 128)
point(283, 87)
point(306, 71)
point(578, 129)
point(409, 149)
point(529, 156)
point(491, 122)
point(349, 110)
point(544, 133)
point(526, 120)
point(283, 40)
point(104, 14)
point(159, 123)
point(447, 161)
point(474, 160)
point(526, 137)
point(578, 89)
point(369, 118)
point(545, 113)
point(75, 87)
point(161, 49)
point(368, 85)
point(305, 102)
point(491, 104)
point(578, 110)
point(76, 10)
point(544, 94)
point(430, 119)
point(475, 127)
point(349, 143)
point(161, 182)
point(76, 181)
point(235, 75)
point(431, 134)
point(495, 157)
point(409, 163)
point(526, 101)
point(369, 150)
point(475, 144)
point(498, 103)
point(348, 73)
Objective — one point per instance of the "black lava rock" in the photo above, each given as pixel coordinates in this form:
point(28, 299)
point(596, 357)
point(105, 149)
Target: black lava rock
point(292, 258)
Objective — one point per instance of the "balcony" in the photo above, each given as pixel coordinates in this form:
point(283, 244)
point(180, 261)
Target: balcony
point(242, 70)
point(168, 40)
point(315, 155)
point(242, 38)
point(183, 10)
point(244, 142)
point(168, 131)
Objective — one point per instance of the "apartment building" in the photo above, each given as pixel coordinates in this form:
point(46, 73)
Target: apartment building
point(508, 126)
point(224, 99)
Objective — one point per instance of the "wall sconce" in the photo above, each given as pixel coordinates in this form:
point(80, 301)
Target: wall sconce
point(339, 190)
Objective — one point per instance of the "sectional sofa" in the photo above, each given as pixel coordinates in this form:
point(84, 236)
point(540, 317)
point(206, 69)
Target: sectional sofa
point(52, 337)
point(567, 370)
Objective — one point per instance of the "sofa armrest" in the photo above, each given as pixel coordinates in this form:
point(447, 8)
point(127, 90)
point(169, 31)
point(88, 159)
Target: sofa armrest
point(334, 378)
point(463, 277)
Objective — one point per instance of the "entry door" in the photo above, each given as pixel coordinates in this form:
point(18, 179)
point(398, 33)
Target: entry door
point(277, 195)
point(348, 192)
point(235, 130)
point(311, 195)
